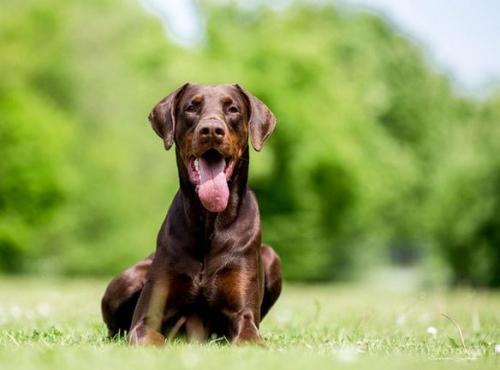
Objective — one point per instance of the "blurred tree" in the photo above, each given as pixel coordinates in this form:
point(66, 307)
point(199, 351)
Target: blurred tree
point(34, 128)
point(374, 153)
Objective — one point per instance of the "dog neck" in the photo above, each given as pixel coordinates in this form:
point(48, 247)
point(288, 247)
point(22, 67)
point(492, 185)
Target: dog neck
point(200, 218)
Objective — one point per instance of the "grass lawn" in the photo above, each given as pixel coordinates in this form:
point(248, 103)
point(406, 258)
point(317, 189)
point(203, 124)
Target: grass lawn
point(56, 324)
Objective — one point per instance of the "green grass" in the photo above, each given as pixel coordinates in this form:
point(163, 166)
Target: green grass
point(56, 324)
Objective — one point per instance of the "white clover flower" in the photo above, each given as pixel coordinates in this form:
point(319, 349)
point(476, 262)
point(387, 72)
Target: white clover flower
point(190, 358)
point(284, 316)
point(16, 312)
point(43, 309)
point(431, 330)
point(348, 353)
point(497, 348)
point(401, 320)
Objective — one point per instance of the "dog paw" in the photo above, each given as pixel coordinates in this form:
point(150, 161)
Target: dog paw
point(140, 336)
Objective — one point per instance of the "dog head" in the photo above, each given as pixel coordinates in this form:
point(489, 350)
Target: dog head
point(210, 125)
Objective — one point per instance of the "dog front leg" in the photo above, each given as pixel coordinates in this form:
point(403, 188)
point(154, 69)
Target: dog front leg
point(149, 312)
point(244, 327)
point(240, 298)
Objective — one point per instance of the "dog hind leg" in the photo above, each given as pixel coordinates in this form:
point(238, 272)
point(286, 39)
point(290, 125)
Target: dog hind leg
point(119, 300)
point(272, 278)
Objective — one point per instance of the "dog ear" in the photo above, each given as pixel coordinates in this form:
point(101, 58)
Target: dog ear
point(162, 116)
point(261, 122)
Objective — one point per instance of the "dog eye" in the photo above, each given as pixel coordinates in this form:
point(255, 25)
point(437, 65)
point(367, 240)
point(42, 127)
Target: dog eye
point(233, 109)
point(192, 108)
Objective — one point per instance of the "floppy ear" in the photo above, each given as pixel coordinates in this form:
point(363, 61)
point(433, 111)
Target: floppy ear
point(162, 117)
point(261, 122)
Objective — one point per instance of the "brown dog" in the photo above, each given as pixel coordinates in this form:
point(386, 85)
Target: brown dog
point(210, 276)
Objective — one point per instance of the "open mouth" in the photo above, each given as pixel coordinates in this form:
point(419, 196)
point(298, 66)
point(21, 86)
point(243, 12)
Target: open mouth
point(210, 173)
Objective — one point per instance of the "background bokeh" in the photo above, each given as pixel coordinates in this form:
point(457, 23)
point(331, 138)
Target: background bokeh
point(378, 161)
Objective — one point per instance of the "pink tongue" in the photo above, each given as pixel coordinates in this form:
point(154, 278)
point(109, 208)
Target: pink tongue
point(213, 190)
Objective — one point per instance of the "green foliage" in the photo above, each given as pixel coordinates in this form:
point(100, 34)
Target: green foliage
point(374, 154)
point(32, 142)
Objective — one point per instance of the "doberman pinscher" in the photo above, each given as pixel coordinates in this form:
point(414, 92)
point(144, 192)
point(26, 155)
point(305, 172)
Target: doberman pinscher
point(210, 276)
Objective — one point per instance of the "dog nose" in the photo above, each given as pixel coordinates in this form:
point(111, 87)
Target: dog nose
point(212, 129)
